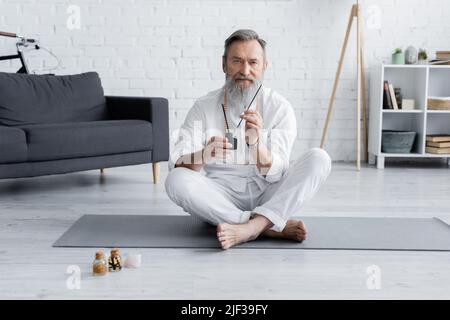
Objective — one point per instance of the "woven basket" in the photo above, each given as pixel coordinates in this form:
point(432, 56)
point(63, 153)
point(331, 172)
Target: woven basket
point(439, 104)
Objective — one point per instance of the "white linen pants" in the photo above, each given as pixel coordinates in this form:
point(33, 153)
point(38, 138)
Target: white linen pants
point(215, 202)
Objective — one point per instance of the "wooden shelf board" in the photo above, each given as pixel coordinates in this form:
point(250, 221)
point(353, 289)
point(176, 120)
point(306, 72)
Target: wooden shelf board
point(401, 111)
point(438, 111)
point(411, 66)
point(444, 66)
point(414, 155)
point(433, 155)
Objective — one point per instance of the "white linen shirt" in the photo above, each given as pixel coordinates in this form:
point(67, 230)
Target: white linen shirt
point(206, 119)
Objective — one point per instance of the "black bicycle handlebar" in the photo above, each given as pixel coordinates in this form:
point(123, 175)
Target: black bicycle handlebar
point(8, 34)
point(15, 35)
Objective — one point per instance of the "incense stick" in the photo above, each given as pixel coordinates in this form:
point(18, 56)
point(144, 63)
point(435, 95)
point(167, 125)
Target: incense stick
point(250, 103)
point(225, 117)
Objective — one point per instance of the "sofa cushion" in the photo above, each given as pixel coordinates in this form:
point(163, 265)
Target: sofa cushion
point(34, 99)
point(13, 145)
point(87, 139)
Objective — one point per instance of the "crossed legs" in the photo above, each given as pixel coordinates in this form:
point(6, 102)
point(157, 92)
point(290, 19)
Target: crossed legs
point(280, 201)
point(202, 197)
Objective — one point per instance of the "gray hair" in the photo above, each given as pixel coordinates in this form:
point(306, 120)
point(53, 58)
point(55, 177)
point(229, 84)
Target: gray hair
point(243, 35)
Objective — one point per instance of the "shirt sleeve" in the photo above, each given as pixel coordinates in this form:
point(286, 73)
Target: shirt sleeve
point(189, 138)
point(280, 141)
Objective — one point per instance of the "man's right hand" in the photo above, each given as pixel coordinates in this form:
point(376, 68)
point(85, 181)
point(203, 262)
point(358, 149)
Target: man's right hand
point(217, 149)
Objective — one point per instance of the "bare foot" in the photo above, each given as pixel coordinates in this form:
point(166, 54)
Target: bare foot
point(230, 235)
point(294, 230)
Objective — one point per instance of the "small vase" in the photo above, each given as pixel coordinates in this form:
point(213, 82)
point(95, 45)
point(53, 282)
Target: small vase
point(398, 58)
point(411, 55)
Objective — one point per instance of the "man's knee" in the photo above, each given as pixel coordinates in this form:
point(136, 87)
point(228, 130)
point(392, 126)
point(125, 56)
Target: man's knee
point(177, 181)
point(322, 156)
point(319, 159)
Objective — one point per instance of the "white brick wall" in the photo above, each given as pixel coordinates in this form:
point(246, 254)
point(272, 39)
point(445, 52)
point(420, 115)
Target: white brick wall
point(173, 49)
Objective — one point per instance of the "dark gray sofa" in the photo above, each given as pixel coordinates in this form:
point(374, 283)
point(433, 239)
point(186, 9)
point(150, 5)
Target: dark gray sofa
point(59, 124)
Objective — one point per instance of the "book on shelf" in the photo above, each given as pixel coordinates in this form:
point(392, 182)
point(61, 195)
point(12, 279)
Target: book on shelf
point(443, 55)
point(387, 102)
point(437, 150)
point(439, 62)
point(438, 138)
point(393, 99)
point(438, 144)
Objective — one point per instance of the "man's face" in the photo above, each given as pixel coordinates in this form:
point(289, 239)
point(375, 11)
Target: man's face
point(245, 63)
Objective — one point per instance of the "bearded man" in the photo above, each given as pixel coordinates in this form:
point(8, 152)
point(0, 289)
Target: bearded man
point(230, 165)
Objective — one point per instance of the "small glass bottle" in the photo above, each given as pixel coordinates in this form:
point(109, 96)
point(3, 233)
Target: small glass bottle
point(99, 266)
point(114, 261)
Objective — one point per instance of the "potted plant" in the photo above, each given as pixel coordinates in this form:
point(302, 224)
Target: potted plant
point(398, 57)
point(423, 57)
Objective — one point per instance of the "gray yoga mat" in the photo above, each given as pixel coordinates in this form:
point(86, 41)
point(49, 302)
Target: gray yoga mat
point(349, 233)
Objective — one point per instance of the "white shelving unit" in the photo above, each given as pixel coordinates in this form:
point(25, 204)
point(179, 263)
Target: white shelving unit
point(417, 82)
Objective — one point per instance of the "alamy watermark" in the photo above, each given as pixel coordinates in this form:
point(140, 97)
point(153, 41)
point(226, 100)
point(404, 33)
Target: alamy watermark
point(73, 282)
point(374, 277)
point(74, 19)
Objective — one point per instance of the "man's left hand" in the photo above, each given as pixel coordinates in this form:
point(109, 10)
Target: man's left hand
point(253, 126)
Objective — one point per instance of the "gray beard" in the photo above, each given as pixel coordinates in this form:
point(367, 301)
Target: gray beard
point(240, 98)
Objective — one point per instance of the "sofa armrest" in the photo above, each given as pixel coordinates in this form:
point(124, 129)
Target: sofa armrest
point(154, 110)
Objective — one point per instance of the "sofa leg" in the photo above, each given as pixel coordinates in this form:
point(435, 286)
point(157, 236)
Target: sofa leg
point(102, 171)
point(155, 166)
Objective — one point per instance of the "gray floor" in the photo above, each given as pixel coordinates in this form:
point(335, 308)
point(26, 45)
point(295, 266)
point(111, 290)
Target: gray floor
point(35, 212)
